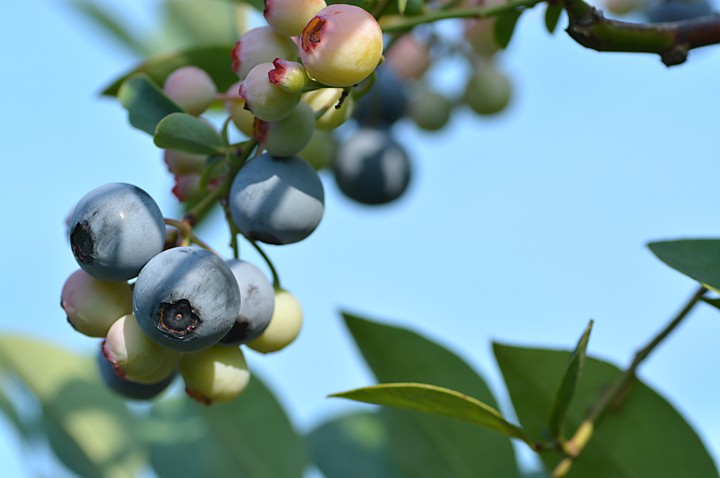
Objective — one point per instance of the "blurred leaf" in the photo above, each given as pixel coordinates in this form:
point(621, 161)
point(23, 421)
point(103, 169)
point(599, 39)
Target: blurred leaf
point(215, 60)
point(401, 4)
point(696, 258)
point(107, 21)
point(552, 16)
point(210, 22)
point(188, 133)
point(438, 401)
point(352, 446)
point(89, 428)
point(504, 27)
point(8, 408)
point(250, 436)
point(145, 102)
point(258, 5)
point(568, 386)
point(642, 437)
point(424, 445)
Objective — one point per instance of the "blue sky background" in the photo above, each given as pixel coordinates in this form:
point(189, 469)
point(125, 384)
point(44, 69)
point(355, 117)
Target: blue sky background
point(517, 229)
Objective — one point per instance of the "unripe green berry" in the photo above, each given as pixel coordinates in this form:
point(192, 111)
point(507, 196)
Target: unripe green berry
point(289, 135)
point(290, 76)
point(320, 150)
point(214, 375)
point(328, 99)
point(235, 106)
point(265, 100)
point(260, 45)
point(284, 326)
point(488, 91)
point(134, 356)
point(430, 110)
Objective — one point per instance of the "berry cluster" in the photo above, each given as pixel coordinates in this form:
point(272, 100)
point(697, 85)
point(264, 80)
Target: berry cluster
point(163, 301)
point(188, 310)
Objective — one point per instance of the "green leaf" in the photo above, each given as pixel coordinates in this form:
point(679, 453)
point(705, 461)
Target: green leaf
point(145, 102)
point(423, 445)
point(352, 446)
point(188, 133)
point(210, 22)
point(107, 21)
point(568, 386)
point(258, 5)
point(715, 302)
point(438, 401)
point(696, 258)
point(505, 27)
point(215, 60)
point(250, 436)
point(643, 437)
point(552, 16)
point(401, 4)
point(89, 428)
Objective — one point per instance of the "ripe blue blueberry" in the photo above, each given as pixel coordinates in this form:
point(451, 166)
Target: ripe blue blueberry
point(115, 230)
point(126, 388)
point(186, 298)
point(371, 168)
point(385, 103)
point(257, 304)
point(677, 10)
point(277, 200)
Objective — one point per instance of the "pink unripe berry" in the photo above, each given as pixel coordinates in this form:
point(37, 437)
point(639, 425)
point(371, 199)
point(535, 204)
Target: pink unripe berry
point(191, 88)
point(93, 305)
point(265, 100)
point(260, 45)
point(408, 58)
point(341, 45)
point(181, 162)
point(289, 17)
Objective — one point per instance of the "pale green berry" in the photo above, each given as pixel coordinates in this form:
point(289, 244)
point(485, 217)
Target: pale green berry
point(265, 100)
point(289, 135)
point(336, 112)
point(488, 91)
point(214, 375)
point(284, 326)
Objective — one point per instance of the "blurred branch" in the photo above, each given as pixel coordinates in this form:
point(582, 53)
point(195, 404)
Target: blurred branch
point(672, 41)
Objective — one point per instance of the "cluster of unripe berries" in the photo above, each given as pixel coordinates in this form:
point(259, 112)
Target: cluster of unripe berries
point(187, 310)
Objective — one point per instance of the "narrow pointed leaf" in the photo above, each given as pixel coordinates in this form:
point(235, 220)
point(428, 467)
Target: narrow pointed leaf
point(568, 386)
point(145, 102)
point(698, 259)
point(352, 446)
point(714, 302)
point(249, 436)
point(424, 445)
point(258, 5)
point(552, 16)
point(215, 60)
point(401, 5)
point(188, 133)
point(437, 401)
point(90, 429)
point(644, 436)
point(107, 20)
point(505, 27)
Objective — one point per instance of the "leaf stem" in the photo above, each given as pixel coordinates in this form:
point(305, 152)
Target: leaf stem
point(619, 389)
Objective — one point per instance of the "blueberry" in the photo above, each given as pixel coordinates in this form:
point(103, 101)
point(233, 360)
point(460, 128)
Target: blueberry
point(115, 230)
point(677, 10)
point(371, 168)
point(186, 298)
point(385, 103)
point(214, 375)
point(93, 305)
point(126, 388)
point(256, 306)
point(277, 200)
